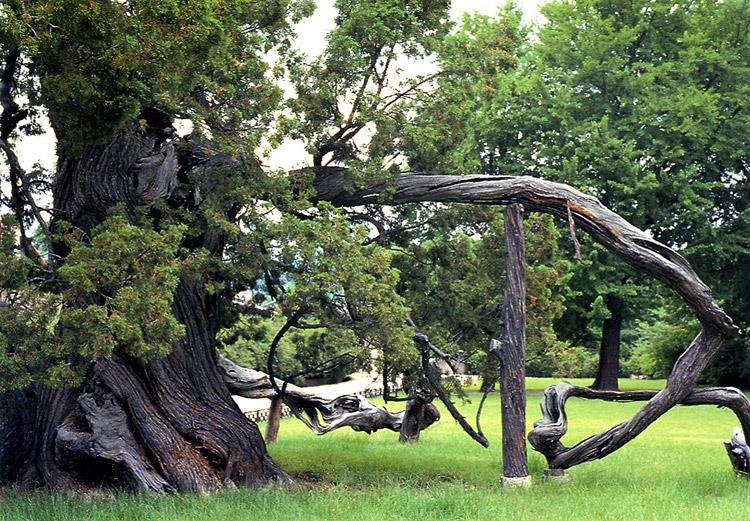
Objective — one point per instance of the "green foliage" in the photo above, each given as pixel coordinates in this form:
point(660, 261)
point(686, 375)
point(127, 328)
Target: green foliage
point(641, 103)
point(351, 103)
point(13, 267)
point(454, 276)
point(27, 348)
point(100, 63)
point(122, 283)
point(339, 282)
point(26, 318)
point(633, 102)
point(460, 128)
point(247, 343)
point(119, 288)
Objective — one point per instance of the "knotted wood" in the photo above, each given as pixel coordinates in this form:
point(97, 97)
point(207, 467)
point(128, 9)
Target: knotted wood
point(321, 415)
point(545, 437)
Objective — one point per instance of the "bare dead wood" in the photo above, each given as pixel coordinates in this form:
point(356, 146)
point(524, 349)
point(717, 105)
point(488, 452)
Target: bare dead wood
point(630, 244)
point(513, 346)
point(424, 343)
point(626, 241)
point(319, 414)
point(739, 453)
point(106, 439)
point(419, 412)
point(545, 437)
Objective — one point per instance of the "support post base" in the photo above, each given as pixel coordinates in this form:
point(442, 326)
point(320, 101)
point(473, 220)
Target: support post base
point(522, 481)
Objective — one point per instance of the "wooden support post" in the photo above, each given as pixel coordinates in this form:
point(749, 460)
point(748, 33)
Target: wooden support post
point(512, 348)
point(274, 419)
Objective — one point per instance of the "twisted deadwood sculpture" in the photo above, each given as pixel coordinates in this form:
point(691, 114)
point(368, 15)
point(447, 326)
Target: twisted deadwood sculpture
point(320, 415)
point(630, 244)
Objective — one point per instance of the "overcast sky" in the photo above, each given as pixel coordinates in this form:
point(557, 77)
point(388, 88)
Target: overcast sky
point(312, 33)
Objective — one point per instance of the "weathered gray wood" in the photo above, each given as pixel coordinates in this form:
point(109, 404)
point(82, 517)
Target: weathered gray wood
point(513, 347)
point(629, 243)
point(319, 414)
point(419, 409)
point(739, 453)
point(426, 346)
point(625, 240)
point(545, 437)
point(107, 440)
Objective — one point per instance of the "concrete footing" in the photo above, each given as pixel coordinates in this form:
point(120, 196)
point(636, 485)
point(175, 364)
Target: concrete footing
point(522, 481)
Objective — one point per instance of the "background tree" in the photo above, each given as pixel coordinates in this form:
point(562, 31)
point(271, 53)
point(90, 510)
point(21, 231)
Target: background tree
point(636, 103)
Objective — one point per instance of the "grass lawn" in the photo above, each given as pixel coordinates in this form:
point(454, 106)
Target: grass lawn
point(677, 469)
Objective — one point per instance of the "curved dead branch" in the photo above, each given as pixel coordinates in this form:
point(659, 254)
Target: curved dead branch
point(319, 414)
point(545, 437)
point(622, 238)
point(626, 241)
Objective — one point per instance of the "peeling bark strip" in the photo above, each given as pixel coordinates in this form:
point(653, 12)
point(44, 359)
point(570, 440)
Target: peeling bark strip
point(629, 243)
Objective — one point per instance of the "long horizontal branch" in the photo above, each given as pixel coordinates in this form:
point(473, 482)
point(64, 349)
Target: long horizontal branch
point(626, 241)
point(319, 414)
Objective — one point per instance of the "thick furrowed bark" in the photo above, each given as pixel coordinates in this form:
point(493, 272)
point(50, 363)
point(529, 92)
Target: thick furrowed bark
point(204, 412)
point(41, 466)
point(166, 425)
point(17, 411)
point(107, 440)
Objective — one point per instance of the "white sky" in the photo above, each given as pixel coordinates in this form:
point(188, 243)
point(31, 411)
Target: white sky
point(311, 40)
point(312, 33)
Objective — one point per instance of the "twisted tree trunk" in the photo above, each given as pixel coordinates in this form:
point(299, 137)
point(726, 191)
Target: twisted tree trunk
point(166, 425)
point(171, 424)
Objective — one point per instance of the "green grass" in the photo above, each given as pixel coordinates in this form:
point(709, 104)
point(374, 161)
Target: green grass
point(677, 469)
